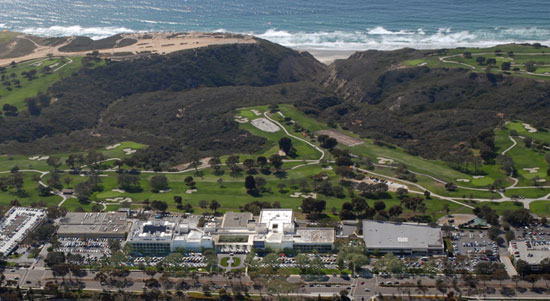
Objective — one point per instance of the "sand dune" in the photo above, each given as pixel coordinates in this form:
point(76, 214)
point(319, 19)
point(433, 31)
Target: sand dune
point(161, 43)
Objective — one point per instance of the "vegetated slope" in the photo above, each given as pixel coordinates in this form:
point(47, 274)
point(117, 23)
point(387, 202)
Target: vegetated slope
point(87, 44)
point(82, 99)
point(429, 112)
point(13, 46)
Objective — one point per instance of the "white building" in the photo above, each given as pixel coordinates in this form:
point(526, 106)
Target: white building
point(402, 238)
point(238, 232)
point(16, 225)
point(162, 236)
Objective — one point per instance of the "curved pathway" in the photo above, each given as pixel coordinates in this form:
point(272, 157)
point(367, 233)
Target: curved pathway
point(509, 148)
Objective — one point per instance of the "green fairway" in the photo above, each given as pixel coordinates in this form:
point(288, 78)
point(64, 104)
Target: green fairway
point(20, 87)
point(517, 55)
point(500, 207)
point(529, 163)
point(27, 194)
point(540, 208)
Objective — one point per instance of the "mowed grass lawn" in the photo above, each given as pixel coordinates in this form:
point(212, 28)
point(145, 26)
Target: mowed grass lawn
point(524, 159)
point(232, 195)
point(30, 187)
point(540, 208)
point(24, 162)
point(538, 135)
point(30, 88)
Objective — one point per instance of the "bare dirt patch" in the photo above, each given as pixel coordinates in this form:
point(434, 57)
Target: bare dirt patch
point(265, 125)
point(341, 137)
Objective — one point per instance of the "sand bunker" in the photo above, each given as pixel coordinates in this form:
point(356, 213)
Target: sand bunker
point(463, 180)
point(119, 199)
point(532, 169)
point(478, 177)
point(43, 158)
point(541, 180)
point(119, 190)
point(382, 160)
point(165, 190)
point(256, 112)
point(128, 151)
point(341, 137)
point(190, 191)
point(113, 146)
point(241, 119)
point(265, 125)
point(327, 168)
point(34, 158)
point(312, 195)
point(280, 113)
point(529, 128)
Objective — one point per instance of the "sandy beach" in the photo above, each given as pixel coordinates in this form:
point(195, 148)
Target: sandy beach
point(328, 56)
point(161, 43)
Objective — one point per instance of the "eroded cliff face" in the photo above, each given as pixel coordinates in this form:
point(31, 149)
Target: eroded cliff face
point(358, 78)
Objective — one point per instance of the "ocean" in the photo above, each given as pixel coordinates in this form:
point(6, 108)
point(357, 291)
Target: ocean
point(319, 24)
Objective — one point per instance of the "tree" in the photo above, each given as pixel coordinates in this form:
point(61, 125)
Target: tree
point(500, 275)
point(395, 210)
point(215, 163)
point(491, 61)
point(129, 182)
point(467, 55)
point(530, 66)
point(214, 205)
point(313, 207)
point(532, 278)
point(203, 204)
point(249, 163)
point(516, 279)
point(158, 182)
point(285, 144)
point(159, 205)
point(480, 60)
point(505, 66)
point(379, 205)
point(54, 162)
point(276, 161)
point(250, 183)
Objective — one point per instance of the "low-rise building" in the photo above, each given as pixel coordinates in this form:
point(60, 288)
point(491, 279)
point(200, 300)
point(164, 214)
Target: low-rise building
point(159, 237)
point(238, 232)
point(94, 225)
point(402, 238)
point(16, 224)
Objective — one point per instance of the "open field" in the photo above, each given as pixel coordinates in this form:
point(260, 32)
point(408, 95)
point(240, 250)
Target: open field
point(516, 55)
point(541, 208)
point(58, 68)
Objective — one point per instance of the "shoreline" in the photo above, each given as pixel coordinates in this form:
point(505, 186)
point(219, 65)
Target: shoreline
point(328, 56)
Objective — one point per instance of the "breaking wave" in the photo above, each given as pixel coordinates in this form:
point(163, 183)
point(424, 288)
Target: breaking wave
point(76, 30)
point(384, 39)
point(378, 37)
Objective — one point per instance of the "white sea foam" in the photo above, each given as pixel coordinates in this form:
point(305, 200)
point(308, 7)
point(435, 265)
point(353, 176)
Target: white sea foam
point(377, 37)
point(76, 30)
point(383, 39)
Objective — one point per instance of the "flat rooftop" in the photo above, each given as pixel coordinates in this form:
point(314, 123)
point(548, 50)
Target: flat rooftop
point(314, 236)
point(236, 219)
point(386, 235)
point(16, 225)
point(276, 219)
point(94, 223)
point(531, 251)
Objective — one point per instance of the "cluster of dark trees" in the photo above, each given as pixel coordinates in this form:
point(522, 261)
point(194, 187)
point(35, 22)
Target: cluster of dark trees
point(180, 94)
